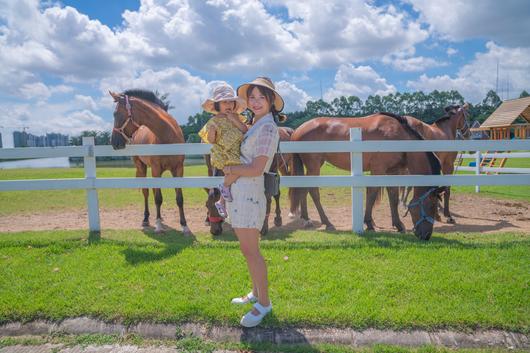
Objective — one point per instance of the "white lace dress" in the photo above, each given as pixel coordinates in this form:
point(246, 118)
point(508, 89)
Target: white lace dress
point(248, 208)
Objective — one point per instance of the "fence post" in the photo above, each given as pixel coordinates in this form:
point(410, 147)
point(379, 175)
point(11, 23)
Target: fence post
point(357, 206)
point(91, 192)
point(477, 168)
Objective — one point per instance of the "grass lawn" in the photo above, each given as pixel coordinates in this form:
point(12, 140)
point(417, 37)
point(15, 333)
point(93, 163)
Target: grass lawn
point(459, 281)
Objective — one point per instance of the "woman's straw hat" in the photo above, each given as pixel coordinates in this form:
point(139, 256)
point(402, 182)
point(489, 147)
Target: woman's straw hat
point(221, 93)
point(263, 82)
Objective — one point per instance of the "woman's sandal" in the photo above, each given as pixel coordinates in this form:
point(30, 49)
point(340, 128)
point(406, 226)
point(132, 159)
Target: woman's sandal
point(251, 320)
point(249, 298)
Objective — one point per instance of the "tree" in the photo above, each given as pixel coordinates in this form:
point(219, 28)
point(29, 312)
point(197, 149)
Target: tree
point(524, 94)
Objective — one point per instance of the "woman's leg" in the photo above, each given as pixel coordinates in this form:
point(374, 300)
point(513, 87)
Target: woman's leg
point(249, 245)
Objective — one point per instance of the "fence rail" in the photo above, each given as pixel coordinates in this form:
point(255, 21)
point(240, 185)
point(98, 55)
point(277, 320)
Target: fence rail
point(356, 147)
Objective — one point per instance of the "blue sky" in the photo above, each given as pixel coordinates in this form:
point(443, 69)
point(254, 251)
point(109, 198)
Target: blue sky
point(58, 59)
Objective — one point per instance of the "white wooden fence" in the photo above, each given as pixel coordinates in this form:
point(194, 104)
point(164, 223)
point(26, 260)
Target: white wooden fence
point(91, 183)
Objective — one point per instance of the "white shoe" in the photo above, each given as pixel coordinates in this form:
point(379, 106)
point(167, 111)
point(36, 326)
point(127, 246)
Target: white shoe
point(251, 320)
point(249, 298)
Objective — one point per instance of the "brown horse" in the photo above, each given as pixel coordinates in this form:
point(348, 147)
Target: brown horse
point(381, 126)
point(452, 126)
point(141, 118)
point(280, 163)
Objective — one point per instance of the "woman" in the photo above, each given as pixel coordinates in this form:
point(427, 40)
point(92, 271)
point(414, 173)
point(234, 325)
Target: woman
point(247, 210)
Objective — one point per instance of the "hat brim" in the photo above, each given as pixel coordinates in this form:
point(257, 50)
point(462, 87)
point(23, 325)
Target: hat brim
point(278, 100)
point(209, 104)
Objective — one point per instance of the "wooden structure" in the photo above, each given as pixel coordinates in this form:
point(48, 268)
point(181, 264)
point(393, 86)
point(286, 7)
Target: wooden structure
point(502, 125)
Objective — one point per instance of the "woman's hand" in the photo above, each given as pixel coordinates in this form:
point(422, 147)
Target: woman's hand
point(227, 170)
point(211, 134)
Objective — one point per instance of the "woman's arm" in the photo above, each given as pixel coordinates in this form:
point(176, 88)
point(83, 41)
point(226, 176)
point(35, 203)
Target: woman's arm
point(253, 169)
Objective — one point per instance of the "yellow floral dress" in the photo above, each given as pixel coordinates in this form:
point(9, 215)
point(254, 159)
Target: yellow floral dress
point(227, 147)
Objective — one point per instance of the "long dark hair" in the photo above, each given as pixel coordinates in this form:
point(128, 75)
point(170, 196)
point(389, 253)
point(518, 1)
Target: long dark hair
point(269, 95)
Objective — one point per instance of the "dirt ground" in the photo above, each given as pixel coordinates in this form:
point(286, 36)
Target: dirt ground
point(472, 214)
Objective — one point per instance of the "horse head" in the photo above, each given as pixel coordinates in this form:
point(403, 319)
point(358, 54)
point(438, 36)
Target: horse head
point(124, 124)
point(422, 210)
point(463, 131)
point(214, 218)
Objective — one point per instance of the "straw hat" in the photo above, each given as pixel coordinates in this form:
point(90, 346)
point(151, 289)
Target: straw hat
point(263, 82)
point(224, 92)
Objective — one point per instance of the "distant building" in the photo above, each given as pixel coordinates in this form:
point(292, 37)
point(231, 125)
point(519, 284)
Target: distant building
point(23, 139)
point(20, 139)
point(53, 140)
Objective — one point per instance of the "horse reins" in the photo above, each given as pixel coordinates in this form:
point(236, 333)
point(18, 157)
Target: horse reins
point(419, 202)
point(121, 130)
point(461, 133)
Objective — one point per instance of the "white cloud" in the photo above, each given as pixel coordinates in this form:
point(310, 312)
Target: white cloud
point(295, 98)
point(85, 102)
point(186, 92)
point(419, 63)
point(351, 31)
point(451, 51)
point(475, 79)
point(360, 81)
point(42, 118)
point(505, 22)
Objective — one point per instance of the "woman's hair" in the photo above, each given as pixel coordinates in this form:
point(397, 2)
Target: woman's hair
point(269, 95)
point(217, 105)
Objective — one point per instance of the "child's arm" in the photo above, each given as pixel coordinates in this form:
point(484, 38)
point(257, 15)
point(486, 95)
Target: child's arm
point(234, 119)
point(212, 134)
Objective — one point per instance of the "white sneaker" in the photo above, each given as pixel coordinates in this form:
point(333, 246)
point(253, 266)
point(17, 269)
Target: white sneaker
point(251, 320)
point(249, 298)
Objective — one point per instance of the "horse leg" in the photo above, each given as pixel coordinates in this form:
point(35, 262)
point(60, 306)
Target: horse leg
point(371, 196)
point(303, 209)
point(278, 212)
point(313, 169)
point(265, 227)
point(447, 214)
point(156, 172)
point(179, 172)
point(393, 200)
point(141, 172)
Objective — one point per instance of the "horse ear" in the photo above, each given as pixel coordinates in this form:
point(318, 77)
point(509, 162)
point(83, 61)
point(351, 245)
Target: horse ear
point(450, 110)
point(115, 96)
point(465, 106)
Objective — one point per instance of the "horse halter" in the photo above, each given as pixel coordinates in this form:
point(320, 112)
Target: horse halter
point(419, 202)
point(130, 119)
point(461, 133)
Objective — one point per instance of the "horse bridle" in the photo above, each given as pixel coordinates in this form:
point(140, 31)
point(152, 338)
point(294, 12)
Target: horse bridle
point(460, 133)
point(121, 130)
point(419, 202)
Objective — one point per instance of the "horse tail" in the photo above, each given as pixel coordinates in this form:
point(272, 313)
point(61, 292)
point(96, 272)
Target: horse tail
point(295, 194)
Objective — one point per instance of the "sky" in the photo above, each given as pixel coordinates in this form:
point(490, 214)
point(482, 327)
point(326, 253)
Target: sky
point(59, 59)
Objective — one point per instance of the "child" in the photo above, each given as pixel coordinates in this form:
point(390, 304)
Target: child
point(225, 132)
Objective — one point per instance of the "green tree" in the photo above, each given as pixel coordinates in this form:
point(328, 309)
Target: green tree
point(524, 94)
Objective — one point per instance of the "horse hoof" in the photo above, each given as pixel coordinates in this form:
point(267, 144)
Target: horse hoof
point(278, 221)
point(159, 227)
point(400, 227)
point(145, 224)
point(330, 227)
point(308, 224)
point(451, 220)
point(293, 215)
point(264, 231)
point(186, 231)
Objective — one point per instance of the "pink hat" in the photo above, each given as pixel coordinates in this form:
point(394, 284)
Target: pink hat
point(224, 92)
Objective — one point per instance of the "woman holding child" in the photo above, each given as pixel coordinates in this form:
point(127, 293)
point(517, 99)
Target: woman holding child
point(243, 189)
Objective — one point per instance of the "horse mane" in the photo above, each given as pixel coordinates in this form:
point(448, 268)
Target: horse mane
point(434, 162)
point(446, 116)
point(147, 95)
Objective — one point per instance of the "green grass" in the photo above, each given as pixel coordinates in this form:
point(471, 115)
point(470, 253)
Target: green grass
point(192, 344)
point(460, 281)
